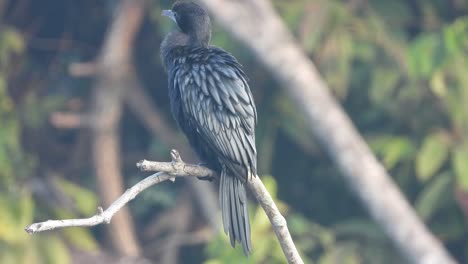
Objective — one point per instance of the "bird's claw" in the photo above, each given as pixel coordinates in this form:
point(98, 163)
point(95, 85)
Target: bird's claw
point(175, 156)
point(206, 178)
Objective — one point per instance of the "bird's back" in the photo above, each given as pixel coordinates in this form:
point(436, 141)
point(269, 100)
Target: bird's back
point(213, 105)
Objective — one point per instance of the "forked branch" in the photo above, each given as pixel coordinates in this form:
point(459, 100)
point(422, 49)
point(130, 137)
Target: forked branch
point(169, 171)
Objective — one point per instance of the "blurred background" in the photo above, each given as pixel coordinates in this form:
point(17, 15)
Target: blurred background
point(83, 97)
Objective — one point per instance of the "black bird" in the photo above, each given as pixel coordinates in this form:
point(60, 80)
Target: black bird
point(212, 104)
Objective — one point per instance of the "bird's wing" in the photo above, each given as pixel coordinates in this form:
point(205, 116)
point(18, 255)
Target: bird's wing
point(216, 97)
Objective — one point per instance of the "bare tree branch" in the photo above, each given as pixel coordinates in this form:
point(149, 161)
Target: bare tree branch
point(70, 120)
point(83, 69)
point(258, 27)
point(169, 171)
point(176, 167)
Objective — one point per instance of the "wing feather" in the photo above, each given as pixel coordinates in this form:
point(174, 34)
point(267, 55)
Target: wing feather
point(218, 100)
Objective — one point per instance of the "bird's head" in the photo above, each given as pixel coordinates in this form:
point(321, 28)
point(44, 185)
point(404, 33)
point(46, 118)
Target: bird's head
point(192, 20)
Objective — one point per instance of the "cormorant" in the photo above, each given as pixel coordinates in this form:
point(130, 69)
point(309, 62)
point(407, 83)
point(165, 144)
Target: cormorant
point(212, 104)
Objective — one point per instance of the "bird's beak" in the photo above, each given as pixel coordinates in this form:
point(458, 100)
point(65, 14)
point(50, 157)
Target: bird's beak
point(170, 14)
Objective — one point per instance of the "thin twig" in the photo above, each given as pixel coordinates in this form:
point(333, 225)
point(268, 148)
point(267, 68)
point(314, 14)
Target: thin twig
point(102, 216)
point(169, 171)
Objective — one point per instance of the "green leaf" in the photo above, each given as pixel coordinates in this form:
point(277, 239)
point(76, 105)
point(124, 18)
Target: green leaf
point(454, 36)
point(433, 196)
point(392, 149)
point(431, 156)
point(384, 82)
point(438, 85)
point(450, 40)
point(460, 166)
point(396, 150)
point(423, 55)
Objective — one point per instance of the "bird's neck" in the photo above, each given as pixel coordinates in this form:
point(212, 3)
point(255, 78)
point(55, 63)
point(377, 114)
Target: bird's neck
point(173, 40)
point(179, 39)
point(172, 44)
point(200, 37)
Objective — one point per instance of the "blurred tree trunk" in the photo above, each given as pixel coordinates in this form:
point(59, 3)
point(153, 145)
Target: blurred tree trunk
point(256, 24)
point(114, 74)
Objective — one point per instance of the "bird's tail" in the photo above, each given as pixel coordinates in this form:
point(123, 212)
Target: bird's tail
point(233, 201)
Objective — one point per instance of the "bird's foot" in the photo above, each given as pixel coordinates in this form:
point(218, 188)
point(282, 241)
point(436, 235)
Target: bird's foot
point(205, 178)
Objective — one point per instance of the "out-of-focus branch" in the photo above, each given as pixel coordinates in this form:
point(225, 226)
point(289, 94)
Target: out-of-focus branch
point(83, 69)
point(113, 76)
point(257, 26)
point(169, 171)
point(70, 120)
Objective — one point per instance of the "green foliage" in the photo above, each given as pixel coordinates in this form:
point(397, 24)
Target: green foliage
point(434, 196)
point(392, 149)
point(17, 205)
point(460, 166)
point(422, 56)
point(431, 156)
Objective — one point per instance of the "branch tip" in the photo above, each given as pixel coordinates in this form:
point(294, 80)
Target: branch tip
point(141, 164)
point(29, 230)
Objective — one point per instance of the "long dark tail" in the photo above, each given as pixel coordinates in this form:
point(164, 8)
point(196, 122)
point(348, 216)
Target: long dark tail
point(233, 201)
